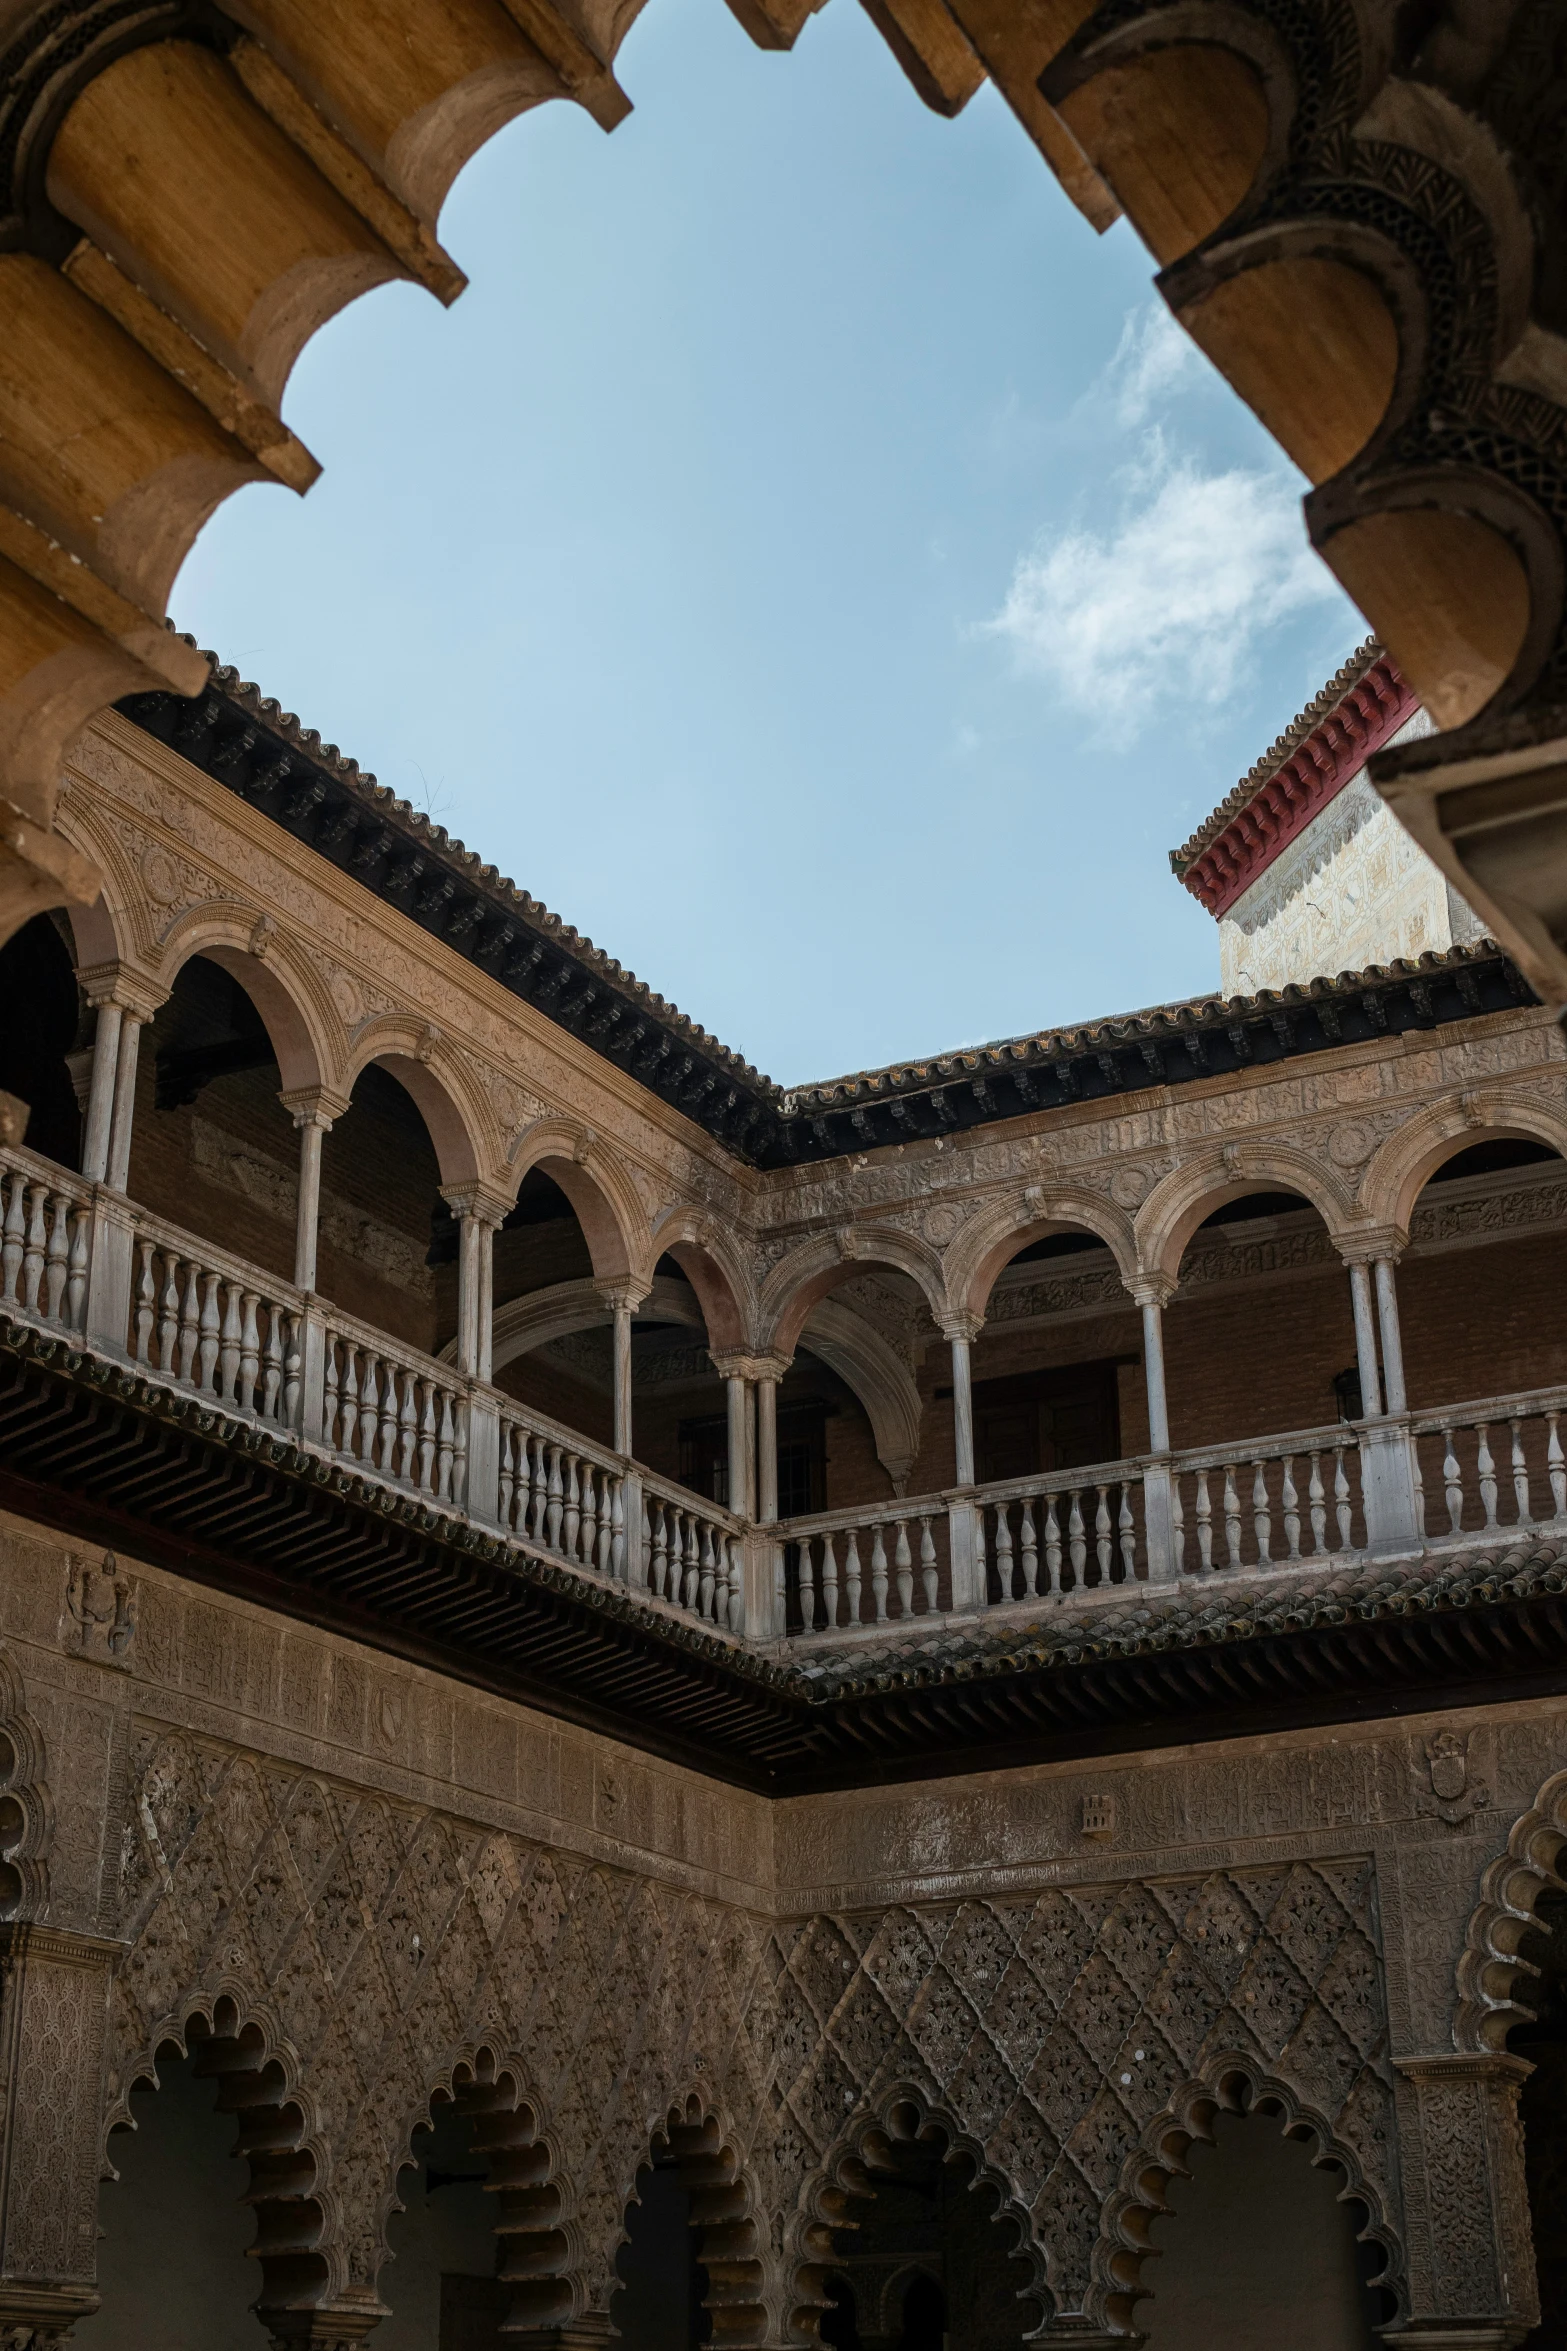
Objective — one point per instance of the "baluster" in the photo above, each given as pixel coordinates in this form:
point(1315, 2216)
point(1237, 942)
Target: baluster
point(369, 1406)
point(15, 1237)
point(408, 1433)
point(928, 1579)
point(210, 1335)
point(457, 1476)
point(556, 1501)
point(1317, 1501)
point(1520, 1475)
point(228, 1344)
point(704, 1589)
point(829, 1581)
point(271, 1366)
point(644, 1552)
point(146, 1303)
point(1453, 1479)
point(1177, 1527)
point(617, 1530)
point(190, 1322)
point(348, 1434)
point(1291, 1503)
point(878, 1574)
point(1052, 1546)
point(691, 1584)
point(852, 1575)
point(1102, 1533)
point(1232, 1516)
point(1341, 1500)
point(807, 1586)
point(903, 1568)
point(659, 1567)
point(1077, 1540)
point(249, 1349)
point(1128, 1532)
point(571, 1514)
point(428, 1431)
point(398, 1384)
point(448, 1436)
point(724, 1584)
point(1261, 1513)
point(538, 1488)
point(736, 1586)
point(59, 1257)
point(293, 1371)
point(587, 1539)
point(1556, 1467)
point(508, 1481)
point(36, 1247)
point(1204, 1524)
point(981, 1568)
point(76, 1269)
point(1420, 1486)
point(329, 1397)
point(1003, 1550)
point(1487, 1472)
point(1028, 1550)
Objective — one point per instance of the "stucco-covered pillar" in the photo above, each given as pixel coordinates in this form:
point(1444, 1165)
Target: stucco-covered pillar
point(1466, 2203)
point(54, 2005)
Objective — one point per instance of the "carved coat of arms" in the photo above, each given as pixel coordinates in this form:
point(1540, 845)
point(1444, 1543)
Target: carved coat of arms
point(1451, 1795)
point(101, 1611)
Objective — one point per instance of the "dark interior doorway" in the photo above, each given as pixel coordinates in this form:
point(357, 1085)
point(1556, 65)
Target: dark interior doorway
point(1039, 1421)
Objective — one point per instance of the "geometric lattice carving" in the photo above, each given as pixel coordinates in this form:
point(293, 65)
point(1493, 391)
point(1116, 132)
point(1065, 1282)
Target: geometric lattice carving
point(393, 1954)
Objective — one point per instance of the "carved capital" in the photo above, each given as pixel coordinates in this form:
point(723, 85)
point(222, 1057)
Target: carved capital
point(625, 1290)
point(1369, 1242)
point(1152, 1289)
point(770, 1366)
point(38, 2317)
point(116, 983)
point(314, 1106)
point(962, 1326)
point(478, 1201)
point(734, 1363)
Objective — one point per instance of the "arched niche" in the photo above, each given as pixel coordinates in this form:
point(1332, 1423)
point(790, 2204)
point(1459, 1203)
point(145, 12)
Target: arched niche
point(690, 2263)
point(1259, 2249)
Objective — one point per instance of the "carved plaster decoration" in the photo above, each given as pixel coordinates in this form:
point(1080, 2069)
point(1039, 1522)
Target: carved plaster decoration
point(100, 1611)
point(1449, 1792)
point(1494, 1979)
point(26, 1808)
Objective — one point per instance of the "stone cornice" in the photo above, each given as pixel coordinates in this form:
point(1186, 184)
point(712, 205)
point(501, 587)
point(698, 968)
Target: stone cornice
point(1281, 796)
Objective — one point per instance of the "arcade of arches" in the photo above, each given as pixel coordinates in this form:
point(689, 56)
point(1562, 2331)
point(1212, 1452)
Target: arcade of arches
point(638, 1709)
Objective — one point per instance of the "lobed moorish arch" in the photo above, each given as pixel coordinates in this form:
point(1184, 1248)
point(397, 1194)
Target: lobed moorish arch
point(1493, 1977)
point(1236, 2084)
point(691, 2138)
point(26, 1808)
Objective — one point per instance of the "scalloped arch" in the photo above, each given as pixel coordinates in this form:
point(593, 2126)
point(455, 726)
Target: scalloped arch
point(1491, 1970)
point(1233, 2084)
point(26, 1808)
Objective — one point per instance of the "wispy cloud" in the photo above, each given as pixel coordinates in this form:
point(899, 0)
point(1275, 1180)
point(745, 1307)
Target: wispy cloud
point(1153, 360)
point(1165, 607)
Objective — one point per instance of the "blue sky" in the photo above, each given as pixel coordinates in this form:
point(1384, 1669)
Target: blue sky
point(806, 557)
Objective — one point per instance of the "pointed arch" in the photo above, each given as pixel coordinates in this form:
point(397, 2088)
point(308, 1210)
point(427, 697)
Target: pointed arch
point(1234, 2084)
point(807, 1274)
point(1180, 1202)
point(990, 1240)
point(1411, 1156)
point(278, 977)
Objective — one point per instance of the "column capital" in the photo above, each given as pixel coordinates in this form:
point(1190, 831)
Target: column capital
point(1369, 1242)
point(116, 983)
point(770, 1365)
point(314, 1106)
point(735, 1363)
point(623, 1289)
point(1152, 1289)
point(477, 1200)
point(961, 1326)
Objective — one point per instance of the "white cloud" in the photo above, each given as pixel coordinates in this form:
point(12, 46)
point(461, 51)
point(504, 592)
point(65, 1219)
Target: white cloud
point(1154, 358)
point(1165, 608)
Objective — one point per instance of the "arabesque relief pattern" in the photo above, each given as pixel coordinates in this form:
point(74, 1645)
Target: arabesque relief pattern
point(384, 1943)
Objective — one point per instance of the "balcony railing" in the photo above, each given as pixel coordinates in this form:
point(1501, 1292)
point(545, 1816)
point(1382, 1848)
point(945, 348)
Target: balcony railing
point(80, 1260)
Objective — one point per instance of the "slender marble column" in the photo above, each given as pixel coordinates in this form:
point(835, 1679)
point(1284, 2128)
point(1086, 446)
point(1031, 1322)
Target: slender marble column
point(100, 1098)
point(1152, 1293)
point(313, 1124)
point(961, 1335)
point(767, 1379)
point(737, 1390)
point(623, 1374)
point(1365, 1339)
point(119, 1160)
point(1392, 1337)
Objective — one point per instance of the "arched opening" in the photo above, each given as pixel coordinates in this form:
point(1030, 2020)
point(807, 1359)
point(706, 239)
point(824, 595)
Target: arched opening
point(40, 1036)
point(1258, 2251)
point(387, 1242)
point(212, 1148)
point(1482, 1299)
point(688, 2269)
point(175, 2227)
point(473, 2249)
point(569, 1374)
point(928, 2263)
point(1057, 1368)
point(1542, 2110)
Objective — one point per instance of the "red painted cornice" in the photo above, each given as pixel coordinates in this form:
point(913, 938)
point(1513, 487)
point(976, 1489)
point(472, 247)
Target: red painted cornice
point(1300, 787)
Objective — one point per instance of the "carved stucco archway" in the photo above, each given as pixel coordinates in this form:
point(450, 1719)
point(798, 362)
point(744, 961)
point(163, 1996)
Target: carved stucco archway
point(692, 2138)
point(1492, 1975)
